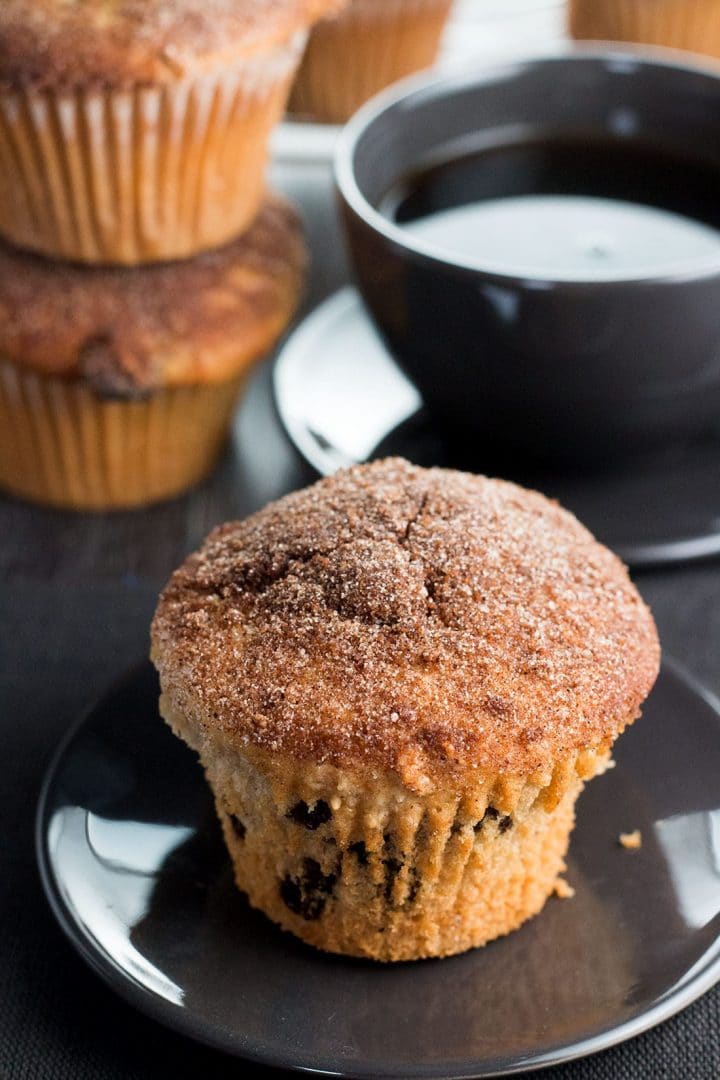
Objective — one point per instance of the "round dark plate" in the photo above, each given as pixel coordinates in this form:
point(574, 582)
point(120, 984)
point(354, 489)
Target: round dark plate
point(342, 399)
point(134, 867)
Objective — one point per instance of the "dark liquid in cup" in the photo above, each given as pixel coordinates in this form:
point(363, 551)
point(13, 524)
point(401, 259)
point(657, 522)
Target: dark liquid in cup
point(568, 207)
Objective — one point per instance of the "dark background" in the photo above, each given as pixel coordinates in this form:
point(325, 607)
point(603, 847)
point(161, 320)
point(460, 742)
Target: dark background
point(76, 597)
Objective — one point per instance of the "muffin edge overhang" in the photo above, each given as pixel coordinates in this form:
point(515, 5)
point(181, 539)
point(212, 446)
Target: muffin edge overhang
point(130, 44)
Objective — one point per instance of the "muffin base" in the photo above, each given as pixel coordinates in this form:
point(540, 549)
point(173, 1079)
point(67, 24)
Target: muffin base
point(363, 866)
point(370, 45)
point(693, 25)
point(134, 176)
point(355, 901)
point(62, 445)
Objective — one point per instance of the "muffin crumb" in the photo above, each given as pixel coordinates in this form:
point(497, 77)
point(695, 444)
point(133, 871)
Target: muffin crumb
point(631, 841)
point(563, 889)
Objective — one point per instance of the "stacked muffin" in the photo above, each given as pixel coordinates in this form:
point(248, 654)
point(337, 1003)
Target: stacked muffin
point(134, 133)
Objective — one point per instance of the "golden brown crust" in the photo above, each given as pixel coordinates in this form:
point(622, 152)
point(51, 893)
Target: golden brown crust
point(421, 621)
point(53, 44)
point(168, 324)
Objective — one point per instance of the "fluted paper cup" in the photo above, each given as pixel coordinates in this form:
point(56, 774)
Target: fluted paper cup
point(134, 176)
point(358, 863)
point(64, 445)
point(693, 25)
point(370, 45)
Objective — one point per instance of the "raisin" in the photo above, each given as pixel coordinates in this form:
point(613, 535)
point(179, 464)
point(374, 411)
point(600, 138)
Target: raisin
point(313, 878)
point(310, 817)
point(307, 894)
point(360, 851)
point(393, 865)
point(505, 822)
point(414, 886)
point(237, 826)
point(392, 869)
point(308, 907)
point(491, 814)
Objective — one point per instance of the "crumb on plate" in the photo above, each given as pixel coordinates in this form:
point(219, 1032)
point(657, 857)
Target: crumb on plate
point(563, 890)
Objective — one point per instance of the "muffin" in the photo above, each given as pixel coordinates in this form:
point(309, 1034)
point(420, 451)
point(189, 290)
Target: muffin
point(398, 681)
point(137, 130)
point(117, 386)
point(680, 24)
point(369, 45)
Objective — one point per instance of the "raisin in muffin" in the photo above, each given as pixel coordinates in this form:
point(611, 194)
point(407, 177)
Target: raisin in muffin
point(398, 681)
point(137, 130)
point(117, 385)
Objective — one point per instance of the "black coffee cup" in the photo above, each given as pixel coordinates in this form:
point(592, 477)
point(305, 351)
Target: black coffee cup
point(566, 367)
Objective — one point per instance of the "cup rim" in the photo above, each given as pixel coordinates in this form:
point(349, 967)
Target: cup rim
point(611, 53)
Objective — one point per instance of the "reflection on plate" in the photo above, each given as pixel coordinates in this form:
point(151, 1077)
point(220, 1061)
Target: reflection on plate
point(342, 399)
point(476, 33)
point(134, 866)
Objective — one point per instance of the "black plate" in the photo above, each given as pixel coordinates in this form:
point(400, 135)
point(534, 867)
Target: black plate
point(134, 867)
point(342, 399)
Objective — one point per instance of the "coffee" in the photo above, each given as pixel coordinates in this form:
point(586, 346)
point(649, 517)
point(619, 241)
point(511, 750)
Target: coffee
point(570, 208)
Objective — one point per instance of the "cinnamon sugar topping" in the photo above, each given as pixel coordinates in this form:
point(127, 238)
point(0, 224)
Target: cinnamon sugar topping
point(410, 619)
point(69, 44)
point(129, 331)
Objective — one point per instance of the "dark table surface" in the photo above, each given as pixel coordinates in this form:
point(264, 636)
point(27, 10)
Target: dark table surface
point(76, 596)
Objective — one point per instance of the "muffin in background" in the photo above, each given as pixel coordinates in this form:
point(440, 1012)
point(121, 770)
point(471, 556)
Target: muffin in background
point(369, 45)
point(138, 130)
point(117, 385)
point(693, 25)
point(398, 681)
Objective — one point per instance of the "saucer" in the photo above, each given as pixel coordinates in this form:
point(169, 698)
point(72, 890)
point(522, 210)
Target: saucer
point(342, 399)
point(135, 870)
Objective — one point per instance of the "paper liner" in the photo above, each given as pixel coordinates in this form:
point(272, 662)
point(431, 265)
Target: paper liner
point(370, 45)
point(354, 862)
point(681, 24)
point(62, 445)
point(142, 175)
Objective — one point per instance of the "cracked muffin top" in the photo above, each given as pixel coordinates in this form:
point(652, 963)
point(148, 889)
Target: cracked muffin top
point(83, 43)
point(422, 621)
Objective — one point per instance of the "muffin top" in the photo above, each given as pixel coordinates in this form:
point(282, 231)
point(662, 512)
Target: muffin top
point(50, 44)
point(129, 331)
point(417, 620)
